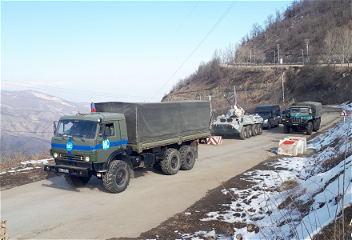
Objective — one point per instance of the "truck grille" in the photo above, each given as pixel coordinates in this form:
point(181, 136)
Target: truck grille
point(296, 120)
point(67, 157)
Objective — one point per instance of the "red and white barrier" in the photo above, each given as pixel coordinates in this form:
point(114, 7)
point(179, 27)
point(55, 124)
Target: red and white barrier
point(214, 140)
point(292, 146)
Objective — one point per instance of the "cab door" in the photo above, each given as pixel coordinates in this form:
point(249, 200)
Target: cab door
point(108, 140)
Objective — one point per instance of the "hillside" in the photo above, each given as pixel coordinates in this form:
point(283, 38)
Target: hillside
point(319, 31)
point(27, 120)
point(263, 85)
point(310, 39)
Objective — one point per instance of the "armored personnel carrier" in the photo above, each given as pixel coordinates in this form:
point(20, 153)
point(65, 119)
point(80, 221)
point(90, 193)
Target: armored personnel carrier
point(236, 122)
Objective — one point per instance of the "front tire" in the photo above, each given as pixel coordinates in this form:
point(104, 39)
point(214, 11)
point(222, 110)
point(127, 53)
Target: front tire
point(76, 181)
point(309, 128)
point(117, 178)
point(260, 129)
point(316, 125)
point(172, 162)
point(188, 157)
point(244, 133)
point(286, 129)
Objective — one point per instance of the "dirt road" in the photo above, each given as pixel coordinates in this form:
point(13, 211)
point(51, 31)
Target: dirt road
point(51, 209)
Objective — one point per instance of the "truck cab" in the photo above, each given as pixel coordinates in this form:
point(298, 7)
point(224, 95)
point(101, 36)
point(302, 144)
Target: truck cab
point(84, 145)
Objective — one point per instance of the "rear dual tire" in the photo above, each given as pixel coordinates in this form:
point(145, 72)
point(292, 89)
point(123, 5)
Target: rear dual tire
point(172, 162)
point(188, 157)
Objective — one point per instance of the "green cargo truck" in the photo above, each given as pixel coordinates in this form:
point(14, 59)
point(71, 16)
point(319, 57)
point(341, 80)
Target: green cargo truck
point(120, 137)
point(303, 116)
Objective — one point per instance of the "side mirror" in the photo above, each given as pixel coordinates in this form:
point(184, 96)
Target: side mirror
point(54, 126)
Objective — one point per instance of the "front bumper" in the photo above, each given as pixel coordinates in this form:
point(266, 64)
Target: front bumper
point(71, 170)
point(290, 124)
point(222, 130)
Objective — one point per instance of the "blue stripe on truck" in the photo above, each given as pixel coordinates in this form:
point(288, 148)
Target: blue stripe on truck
point(89, 148)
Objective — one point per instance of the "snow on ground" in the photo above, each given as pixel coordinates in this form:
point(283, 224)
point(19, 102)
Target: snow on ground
point(23, 166)
point(296, 196)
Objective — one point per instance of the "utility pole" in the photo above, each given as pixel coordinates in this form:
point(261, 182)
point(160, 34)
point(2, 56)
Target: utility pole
point(343, 54)
point(278, 54)
point(307, 42)
point(283, 89)
point(274, 57)
point(302, 57)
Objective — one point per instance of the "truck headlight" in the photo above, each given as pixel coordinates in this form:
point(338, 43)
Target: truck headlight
point(86, 159)
point(55, 155)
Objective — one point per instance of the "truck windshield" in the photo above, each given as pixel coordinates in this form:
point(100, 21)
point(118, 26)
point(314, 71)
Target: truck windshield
point(299, 110)
point(76, 128)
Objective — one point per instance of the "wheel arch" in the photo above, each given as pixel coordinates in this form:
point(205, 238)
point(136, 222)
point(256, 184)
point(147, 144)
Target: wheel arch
point(117, 155)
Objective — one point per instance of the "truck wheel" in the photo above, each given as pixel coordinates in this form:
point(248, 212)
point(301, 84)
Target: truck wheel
point(254, 130)
point(260, 129)
point(117, 178)
point(309, 128)
point(316, 125)
point(243, 134)
point(286, 129)
point(76, 181)
point(188, 157)
point(172, 162)
point(249, 131)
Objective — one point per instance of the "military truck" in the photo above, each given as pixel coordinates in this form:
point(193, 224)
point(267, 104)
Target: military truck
point(237, 123)
point(120, 137)
point(303, 116)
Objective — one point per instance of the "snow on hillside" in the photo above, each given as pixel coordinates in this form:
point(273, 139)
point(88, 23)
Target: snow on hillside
point(50, 98)
point(295, 197)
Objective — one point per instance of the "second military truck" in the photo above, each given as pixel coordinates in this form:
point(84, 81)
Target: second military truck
point(119, 137)
point(303, 116)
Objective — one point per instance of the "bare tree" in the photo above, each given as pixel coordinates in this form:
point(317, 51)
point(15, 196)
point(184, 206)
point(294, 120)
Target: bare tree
point(343, 43)
point(330, 43)
point(256, 30)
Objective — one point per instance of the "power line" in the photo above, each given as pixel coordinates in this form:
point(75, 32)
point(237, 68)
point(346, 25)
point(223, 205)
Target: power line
point(151, 63)
point(206, 36)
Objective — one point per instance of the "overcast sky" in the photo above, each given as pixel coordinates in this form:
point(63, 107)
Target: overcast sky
point(131, 51)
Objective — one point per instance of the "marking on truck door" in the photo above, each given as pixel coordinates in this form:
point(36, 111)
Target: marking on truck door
point(69, 146)
point(106, 144)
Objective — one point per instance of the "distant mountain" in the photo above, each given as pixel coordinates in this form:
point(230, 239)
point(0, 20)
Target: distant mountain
point(27, 120)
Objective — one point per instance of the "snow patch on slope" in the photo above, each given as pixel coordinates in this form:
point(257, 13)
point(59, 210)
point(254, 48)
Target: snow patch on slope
point(51, 98)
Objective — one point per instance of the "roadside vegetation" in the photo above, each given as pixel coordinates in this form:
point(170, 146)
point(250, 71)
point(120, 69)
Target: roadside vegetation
point(21, 169)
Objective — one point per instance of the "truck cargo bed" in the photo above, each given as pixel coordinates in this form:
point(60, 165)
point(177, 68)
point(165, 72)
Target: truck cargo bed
point(151, 125)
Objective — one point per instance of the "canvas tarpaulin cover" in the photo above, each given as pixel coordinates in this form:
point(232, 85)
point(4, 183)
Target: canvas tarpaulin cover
point(157, 121)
